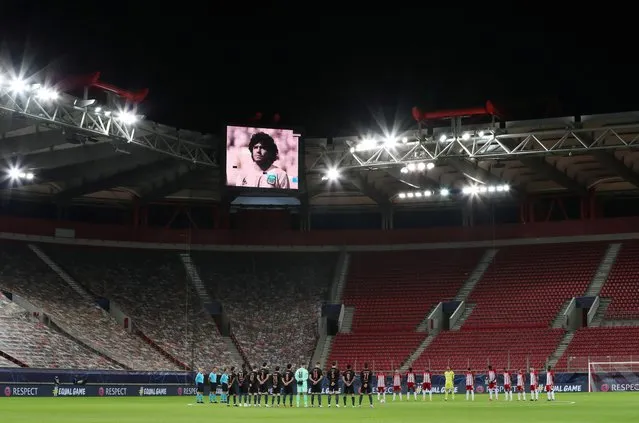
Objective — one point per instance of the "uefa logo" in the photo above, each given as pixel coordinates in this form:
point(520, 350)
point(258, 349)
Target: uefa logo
point(7, 391)
point(180, 391)
point(101, 391)
point(605, 387)
point(480, 389)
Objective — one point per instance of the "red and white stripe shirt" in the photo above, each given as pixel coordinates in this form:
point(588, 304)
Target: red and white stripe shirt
point(470, 379)
point(397, 379)
point(550, 378)
point(492, 377)
point(506, 378)
point(381, 380)
point(410, 377)
point(426, 377)
point(520, 379)
point(533, 378)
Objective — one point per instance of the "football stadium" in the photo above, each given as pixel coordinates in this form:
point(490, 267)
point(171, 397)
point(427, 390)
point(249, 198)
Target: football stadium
point(471, 267)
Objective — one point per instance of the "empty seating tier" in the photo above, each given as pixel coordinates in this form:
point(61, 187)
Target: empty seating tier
point(273, 300)
point(508, 347)
point(395, 290)
point(28, 340)
point(152, 287)
point(603, 344)
point(525, 286)
point(386, 351)
point(622, 285)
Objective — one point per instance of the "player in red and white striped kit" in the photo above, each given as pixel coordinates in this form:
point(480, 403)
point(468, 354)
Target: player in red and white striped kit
point(534, 393)
point(508, 391)
point(427, 385)
point(381, 387)
point(492, 384)
point(521, 385)
point(470, 385)
point(410, 384)
point(397, 385)
point(550, 384)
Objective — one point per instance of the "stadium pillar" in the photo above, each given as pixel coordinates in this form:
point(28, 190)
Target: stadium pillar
point(467, 215)
point(305, 214)
point(387, 216)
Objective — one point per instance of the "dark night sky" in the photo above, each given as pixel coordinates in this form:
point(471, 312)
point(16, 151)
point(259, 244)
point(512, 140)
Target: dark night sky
point(205, 65)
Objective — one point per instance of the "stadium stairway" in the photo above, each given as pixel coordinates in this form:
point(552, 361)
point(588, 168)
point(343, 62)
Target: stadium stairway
point(467, 310)
point(60, 272)
point(339, 279)
point(418, 351)
point(561, 348)
point(194, 276)
point(603, 271)
point(11, 359)
point(598, 318)
point(558, 321)
point(476, 274)
point(596, 284)
point(322, 350)
point(347, 320)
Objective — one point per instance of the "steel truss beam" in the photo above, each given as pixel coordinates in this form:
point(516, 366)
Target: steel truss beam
point(493, 144)
point(64, 114)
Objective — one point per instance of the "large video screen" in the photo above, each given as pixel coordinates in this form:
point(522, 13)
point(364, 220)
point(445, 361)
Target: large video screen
point(262, 158)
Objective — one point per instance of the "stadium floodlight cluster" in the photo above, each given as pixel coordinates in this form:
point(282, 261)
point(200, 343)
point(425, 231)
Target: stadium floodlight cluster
point(485, 189)
point(417, 195)
point(446, 192)
point(417, 167)
point(43, 103)
point(22, 92)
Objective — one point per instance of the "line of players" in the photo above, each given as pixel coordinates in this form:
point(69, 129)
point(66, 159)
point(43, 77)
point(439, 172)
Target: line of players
point(250, 386)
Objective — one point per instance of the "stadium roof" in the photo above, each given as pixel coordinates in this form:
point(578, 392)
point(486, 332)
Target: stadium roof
point(65, 149)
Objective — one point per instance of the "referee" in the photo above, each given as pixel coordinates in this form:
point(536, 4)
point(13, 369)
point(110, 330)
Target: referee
point(199, 383)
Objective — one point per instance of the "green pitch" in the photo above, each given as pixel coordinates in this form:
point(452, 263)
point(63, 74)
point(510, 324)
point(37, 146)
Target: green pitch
point(591, 408)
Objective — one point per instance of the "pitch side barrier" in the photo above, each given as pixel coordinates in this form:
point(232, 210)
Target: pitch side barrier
point(34, 383)
point(106, 377)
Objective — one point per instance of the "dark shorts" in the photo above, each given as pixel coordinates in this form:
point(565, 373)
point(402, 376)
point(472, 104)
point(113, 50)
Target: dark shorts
point(225, 387)
point(213, 387)
point(200, 387)
point(276, 389)
point(253, 389)
point(289, 389)
point(234, 389)
point(333, 387)
point(349, 389)
point(366, 389)
point(316, 388)
point(263, 388)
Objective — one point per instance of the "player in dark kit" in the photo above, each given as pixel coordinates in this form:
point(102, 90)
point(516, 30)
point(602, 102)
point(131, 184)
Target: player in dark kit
point(262, 387)
point(276, 386)
point(288, 381)
point(348, 378)
point(233, 387)
point(242, 384)
point(333, 384)
point(316, 384)
point(252, 385)
point(366, 377)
